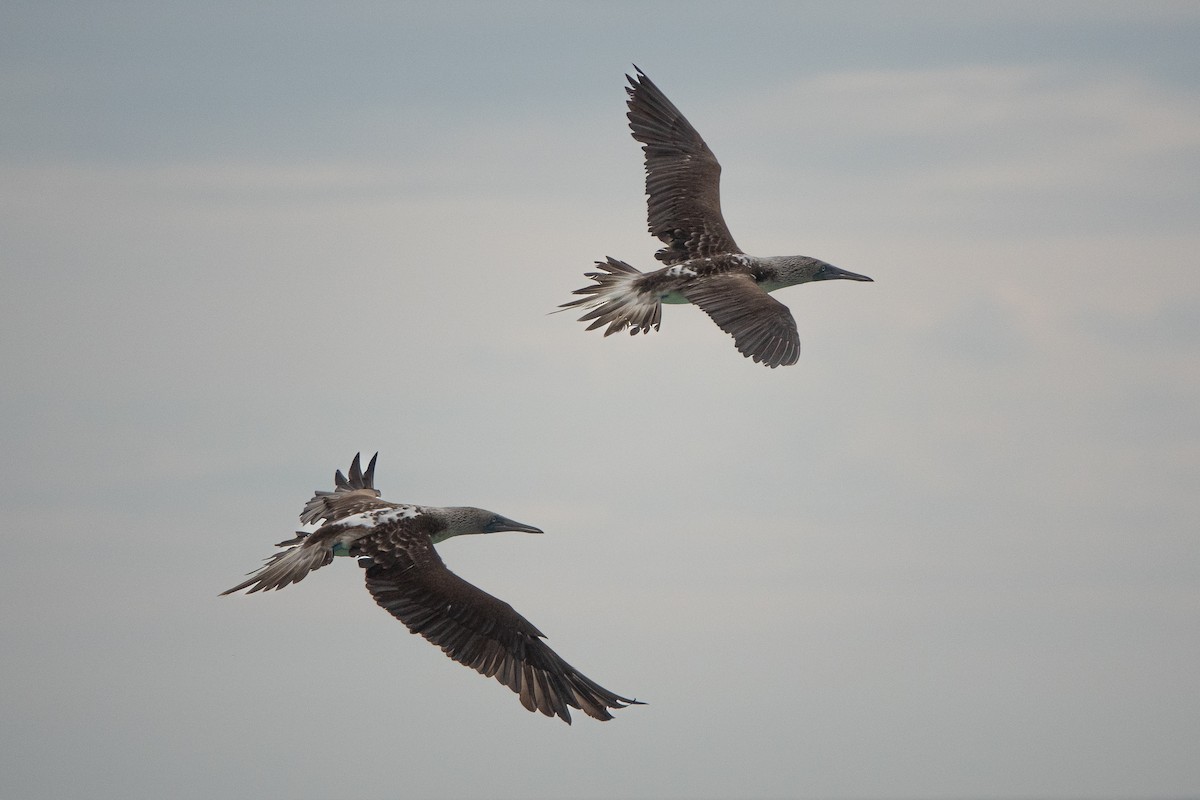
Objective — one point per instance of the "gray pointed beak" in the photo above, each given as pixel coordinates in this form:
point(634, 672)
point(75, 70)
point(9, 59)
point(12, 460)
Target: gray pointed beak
point(830, 272)
point(505, 524)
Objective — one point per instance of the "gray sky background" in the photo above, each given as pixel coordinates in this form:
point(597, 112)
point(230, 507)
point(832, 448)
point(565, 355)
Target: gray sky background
point(952, 553)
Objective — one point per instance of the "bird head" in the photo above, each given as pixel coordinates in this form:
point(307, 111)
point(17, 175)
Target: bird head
point(791, 270)
point(827, 272)
point(468, 520)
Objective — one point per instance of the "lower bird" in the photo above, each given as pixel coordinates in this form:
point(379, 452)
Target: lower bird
point(705, 266)
point(394, 543)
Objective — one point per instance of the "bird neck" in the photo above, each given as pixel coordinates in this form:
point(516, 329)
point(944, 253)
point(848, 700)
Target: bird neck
point(455, 521)
point(776, 272)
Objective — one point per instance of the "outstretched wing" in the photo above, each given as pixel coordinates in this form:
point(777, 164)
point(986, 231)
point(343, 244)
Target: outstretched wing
point(683, 178)
point(303, 554)
point(762, 327)
point(352, 495)
point(309, 551)
point(411, 582)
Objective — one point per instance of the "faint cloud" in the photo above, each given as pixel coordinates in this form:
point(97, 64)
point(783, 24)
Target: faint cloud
point(989, 128)
point(984, 330)
point(1171, 326)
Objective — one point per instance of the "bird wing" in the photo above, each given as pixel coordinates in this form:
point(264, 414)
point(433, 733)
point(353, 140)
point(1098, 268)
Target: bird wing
point(411, 582)
point(683, 178)
point(305, 553)
point(309, 551)
point(762, 327)
point(352, 495)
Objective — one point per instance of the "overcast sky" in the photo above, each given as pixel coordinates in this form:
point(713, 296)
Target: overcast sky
point(952, 553)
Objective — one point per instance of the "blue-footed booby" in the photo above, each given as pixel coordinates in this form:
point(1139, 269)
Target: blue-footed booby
point(394, 543)
point(705, 266)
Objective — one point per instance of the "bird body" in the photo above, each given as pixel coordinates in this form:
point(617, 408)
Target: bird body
point(404, 573)
point(705, 265)
point(672, 284)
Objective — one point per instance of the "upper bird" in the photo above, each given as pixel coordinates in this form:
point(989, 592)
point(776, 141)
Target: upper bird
point(683, 182)
point(394, 544)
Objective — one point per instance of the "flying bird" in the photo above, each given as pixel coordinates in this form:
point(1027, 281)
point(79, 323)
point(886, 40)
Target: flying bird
point(394, 542)
point(705, 266)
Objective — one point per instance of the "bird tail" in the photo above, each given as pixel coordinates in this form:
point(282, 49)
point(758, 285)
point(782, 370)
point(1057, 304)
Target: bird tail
point(616, 301)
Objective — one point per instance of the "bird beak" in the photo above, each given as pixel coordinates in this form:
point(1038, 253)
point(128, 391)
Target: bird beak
point(830, 272)
point(506, 524)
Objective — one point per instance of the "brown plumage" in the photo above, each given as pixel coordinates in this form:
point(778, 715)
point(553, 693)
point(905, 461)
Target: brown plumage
point(394, 542)
point(705, 265)
point(683, 178)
